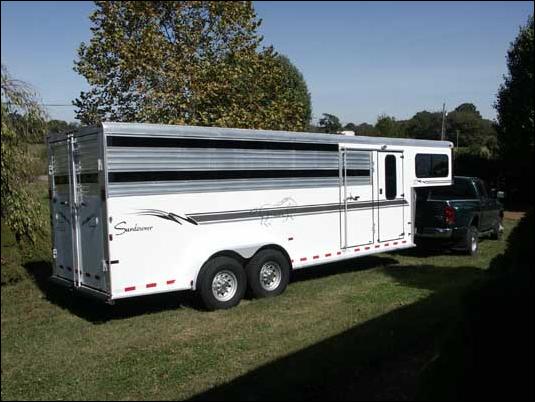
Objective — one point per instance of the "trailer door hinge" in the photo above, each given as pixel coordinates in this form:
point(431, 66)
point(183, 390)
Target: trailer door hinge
point(104, 266)
point(99, 163)
point(54, 253)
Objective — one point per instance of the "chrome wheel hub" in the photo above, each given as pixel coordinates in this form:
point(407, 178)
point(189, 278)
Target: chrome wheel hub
point(474, 243)
point(224, 285)
point(270, 275)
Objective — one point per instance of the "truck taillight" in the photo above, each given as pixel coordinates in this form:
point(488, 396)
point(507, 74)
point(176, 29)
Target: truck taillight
point(449, 215)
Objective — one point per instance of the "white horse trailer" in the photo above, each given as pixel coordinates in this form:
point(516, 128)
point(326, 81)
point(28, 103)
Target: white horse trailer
point(138, 209)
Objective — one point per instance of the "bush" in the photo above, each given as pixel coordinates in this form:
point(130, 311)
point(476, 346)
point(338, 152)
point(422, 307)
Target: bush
point(11, 268)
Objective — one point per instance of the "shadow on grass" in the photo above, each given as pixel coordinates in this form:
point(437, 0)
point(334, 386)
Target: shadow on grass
point(99, 312)
point(380, 359)
point(335, 268)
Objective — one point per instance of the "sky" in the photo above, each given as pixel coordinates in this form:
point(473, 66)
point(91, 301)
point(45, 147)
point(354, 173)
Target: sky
point(359, 59)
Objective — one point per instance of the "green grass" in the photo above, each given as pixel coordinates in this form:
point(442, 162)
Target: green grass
point(358, 329)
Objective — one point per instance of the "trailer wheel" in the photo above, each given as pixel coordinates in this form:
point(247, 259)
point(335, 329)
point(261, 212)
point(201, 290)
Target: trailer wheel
point(222, 283)
point(268, 273)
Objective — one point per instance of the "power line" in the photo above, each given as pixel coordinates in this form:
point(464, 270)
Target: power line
point(45, 104)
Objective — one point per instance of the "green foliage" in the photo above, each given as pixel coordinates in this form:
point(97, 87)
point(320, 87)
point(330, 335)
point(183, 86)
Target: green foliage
point(351, 127)
point(61, 126)
point(295, 86)
point(463, 123)
point(516, 114)
point(387, 126)
point(19, 209)
point(27, 126)
point(425, 125)
point(474, 131)
point(366, 130)
point(11, 269)
point(187, 62)
point(468, 108)
point(329, 123)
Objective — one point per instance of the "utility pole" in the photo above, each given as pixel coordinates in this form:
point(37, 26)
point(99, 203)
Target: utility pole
point(443, 121)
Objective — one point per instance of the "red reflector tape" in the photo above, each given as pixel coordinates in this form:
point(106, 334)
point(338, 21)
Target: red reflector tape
point(404, 241)
point(395, 243)
point(170, 282)
point(316, 257)
point(130, 289)
point(151, 285)
point(303, 259)
point(328, 255)
point(387, 244)
point(338, 252)
point(357, 249)
point(366, 248)
point(377, 245)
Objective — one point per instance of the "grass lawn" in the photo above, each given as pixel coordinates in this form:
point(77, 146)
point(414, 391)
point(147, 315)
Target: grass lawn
point(362, 329)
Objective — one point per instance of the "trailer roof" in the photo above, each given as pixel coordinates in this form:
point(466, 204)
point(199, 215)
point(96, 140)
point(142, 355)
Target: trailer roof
point(165, 130)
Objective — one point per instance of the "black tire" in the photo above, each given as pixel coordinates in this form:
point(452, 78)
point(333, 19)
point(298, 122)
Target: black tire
point(268, 273)
point(472, 241)
point(231, 278)
point(497, 231)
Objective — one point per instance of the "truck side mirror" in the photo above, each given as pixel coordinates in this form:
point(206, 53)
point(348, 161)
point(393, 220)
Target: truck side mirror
point(500, 195)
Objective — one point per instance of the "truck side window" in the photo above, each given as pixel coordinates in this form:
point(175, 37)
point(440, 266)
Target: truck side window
point(390, 177)
point(431, 165)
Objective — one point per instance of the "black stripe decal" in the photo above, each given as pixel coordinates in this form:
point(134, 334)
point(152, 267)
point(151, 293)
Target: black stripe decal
point(285, 211)
point(121, 141)
point(115, 177)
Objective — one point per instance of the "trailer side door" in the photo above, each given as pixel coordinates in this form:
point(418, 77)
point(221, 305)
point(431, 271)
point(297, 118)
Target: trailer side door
point(391, 200)
point(356, 197)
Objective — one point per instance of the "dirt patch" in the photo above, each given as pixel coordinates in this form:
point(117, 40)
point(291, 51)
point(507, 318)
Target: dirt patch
point(514, 215)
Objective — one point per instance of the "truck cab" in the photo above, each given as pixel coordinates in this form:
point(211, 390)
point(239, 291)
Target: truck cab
point(457, 216)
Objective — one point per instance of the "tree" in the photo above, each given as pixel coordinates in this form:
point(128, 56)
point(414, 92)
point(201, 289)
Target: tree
point(61, 126)
point(387, 126)
point(473, 132)
point(351, 127)
point(330, 123)
point(296, 87)
point(19, 103)
point(514, 105)
point(425, 125)
point(186, 62)
point(366, 130)
point(469, 108)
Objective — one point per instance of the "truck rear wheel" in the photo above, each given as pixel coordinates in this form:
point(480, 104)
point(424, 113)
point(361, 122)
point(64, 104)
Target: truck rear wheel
point(268, 273)
point(472, 241)
point(497, 231)
point(222, 283)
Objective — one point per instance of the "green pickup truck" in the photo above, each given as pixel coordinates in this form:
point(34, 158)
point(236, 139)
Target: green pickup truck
point(456, 216)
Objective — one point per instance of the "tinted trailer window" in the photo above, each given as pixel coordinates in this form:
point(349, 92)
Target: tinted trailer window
point(431, 165)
